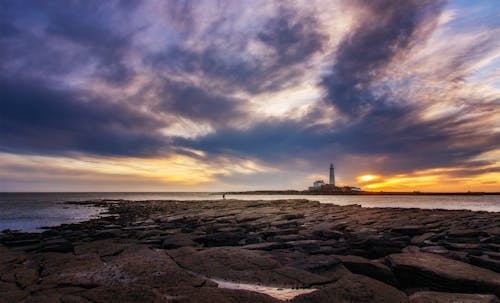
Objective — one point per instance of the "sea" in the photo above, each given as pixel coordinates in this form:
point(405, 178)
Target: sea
point(31, 212)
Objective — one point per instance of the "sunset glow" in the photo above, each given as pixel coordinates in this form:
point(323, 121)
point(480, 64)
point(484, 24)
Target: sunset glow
point(204, 96)
point(367, 178)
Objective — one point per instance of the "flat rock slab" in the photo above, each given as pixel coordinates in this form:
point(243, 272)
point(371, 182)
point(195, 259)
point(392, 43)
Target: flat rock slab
point(216, 295)
point(442, 297)
point(103, 248)
point(370, 268)
point(135, 265)
point(442, 273)
point(354, 289)
point(241, 265)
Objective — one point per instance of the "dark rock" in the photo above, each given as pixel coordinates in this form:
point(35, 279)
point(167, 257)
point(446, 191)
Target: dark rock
point(410, 230)
point(125, 294)
point(177, 241)
point(305, 245)
point(24, 242)
point(353, 289)
point(465, 233)
point(410, 249)
point(104, 248)
point(10, 256)
point(56, 245)
point(442, 297)
point(217, 295)
point(441, 273)
point(486, 262)
point(241, 265)
point(267, 246)
point(221, 239)
point(293, 216)
point(434, 250)
point(107, 233)
point(380, 247)
point(9, 292)
point(417, 240)
point(135, 265)
point(372, 269)
point(326, 266)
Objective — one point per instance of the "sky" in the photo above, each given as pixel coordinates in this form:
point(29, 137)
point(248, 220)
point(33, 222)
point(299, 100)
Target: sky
point(246, 95)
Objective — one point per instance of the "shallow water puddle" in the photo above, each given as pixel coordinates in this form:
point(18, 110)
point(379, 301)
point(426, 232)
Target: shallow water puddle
point(276, 292)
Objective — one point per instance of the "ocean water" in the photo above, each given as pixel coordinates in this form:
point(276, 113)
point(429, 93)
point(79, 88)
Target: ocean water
point(30, 211)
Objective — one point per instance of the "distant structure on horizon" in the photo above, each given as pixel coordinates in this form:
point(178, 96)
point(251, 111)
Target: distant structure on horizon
point(320, 185)
point(332, 174)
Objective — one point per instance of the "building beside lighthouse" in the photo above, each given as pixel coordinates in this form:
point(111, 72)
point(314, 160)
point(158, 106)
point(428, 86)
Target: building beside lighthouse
point(321, 186)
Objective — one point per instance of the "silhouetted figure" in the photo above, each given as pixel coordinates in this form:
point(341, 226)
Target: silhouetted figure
point(224, 196)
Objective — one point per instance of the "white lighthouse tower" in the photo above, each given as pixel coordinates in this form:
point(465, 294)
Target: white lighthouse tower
point(332, 174)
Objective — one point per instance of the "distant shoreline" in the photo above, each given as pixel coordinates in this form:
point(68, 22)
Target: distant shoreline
point(354, 193)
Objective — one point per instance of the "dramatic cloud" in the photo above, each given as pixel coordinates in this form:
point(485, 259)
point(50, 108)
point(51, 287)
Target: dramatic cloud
point(387, 28)
point(391, 88)
point(38, 119)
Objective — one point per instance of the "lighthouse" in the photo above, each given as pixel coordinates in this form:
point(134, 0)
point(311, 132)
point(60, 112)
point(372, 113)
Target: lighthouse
point(332, 174)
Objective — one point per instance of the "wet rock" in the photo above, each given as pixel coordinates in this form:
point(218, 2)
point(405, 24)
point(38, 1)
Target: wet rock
point(441, 297)
point(103, 248)
point(177, 241)
point(417, 240)
point(410, 230)
point(71, 270)
point(9, 292)
point(434, 250)
point(23, 242)
point(241, 265)
point(221, 239)
point(267, 246)
point(353, 289)
point(216, 295)
point(329, 267)
point(137, 265)
point(125, 294)
point(305, 245)
point(107, 233)
point(10, 256)
point(293, 216)
point(26, 275)
point(372, 269)
point(410, 249)
point(326, 231)
point(142, 265)
point(465, 233)
point(441, 273)
point(376, 247)
point(56, 245)
point(486, 262)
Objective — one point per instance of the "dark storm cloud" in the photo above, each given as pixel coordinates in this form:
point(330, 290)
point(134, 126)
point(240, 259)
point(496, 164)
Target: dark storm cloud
point(196, 70)
point(269, 140)
point(378, 125)
point(292, 38)
point(410, 143)
point(382, 124)
point(61, 37)
point(198, 104)
point(35, 118)
point(389, 28)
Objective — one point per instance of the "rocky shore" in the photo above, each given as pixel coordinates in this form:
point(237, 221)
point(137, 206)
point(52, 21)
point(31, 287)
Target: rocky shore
point(256, 251)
